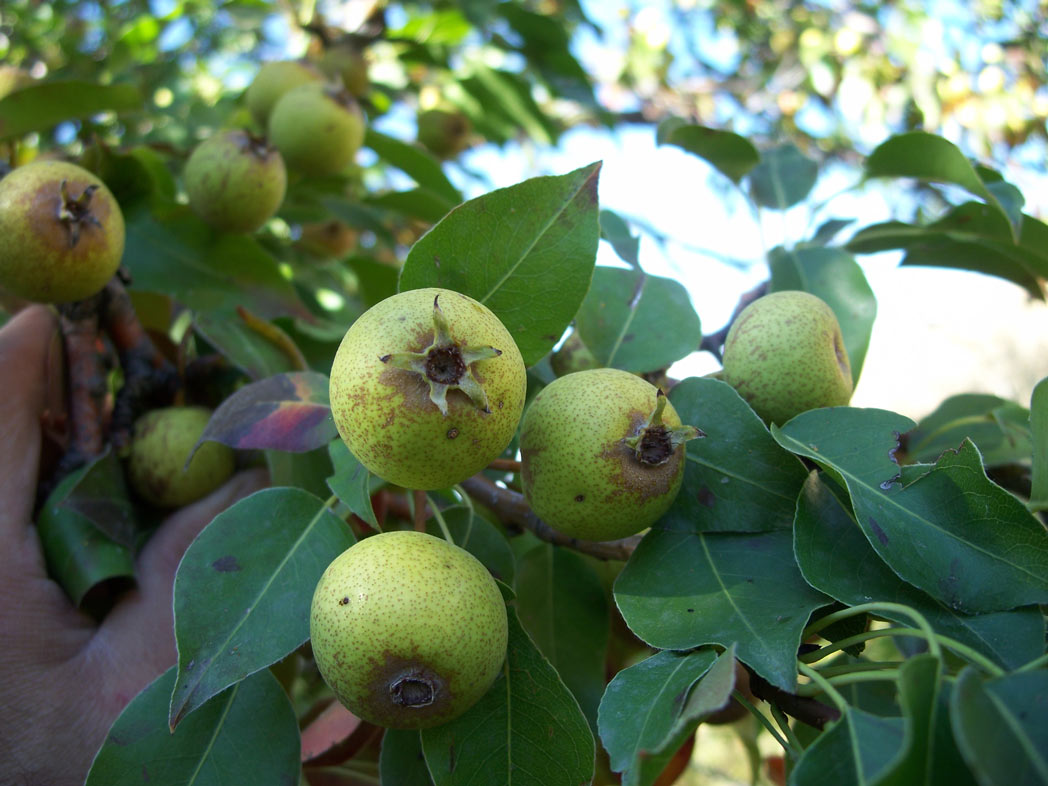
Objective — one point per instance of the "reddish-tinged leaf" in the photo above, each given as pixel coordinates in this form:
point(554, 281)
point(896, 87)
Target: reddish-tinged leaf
point(289, 412)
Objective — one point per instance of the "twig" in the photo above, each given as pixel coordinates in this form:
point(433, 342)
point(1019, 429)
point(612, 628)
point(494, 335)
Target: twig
point(419, 511)
point(804, 709)
point(514, 509)
point(505, 465)
point(714, 342)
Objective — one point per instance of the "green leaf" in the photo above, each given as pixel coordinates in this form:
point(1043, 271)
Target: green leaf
point(658, 687)
point(972, 236)
point(784, 177)
point(834, 276)
point(527, 730)
point(41, 107)
point(401, 762)
point(1001, 726)
point(617, 233)
point(636, 322)
point(244, 587)
point(351, 483)
point(919, 682)
point(730, 154)
point(925, 156)
point(377, 280)
point(998, 427)
point(1039, 427)
point(531, 243)
point(681, 590)
point(101, 495)
point(709, 694)
point(852, 752)
point(737, 479)
point(78, 554)
point(825, 529)
point(951, 531)
point(479, 537)
point(563, 607)
point(246, 734)
point(422, 167)
point(306, 471)
point(250, 351)
point(421, 203)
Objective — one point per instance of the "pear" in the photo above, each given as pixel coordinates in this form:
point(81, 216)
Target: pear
point(271, 82)
point(785, 355)
point(318, 131)
point(408, 630)
point(427, 387)
point(235, 182)
point(61, 233)
point(443, 132)
point(602, 454)
point(160, 445)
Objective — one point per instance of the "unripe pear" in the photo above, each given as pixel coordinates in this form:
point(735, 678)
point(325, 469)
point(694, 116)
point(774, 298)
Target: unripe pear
point(602, 454)
point(271, 82)
point(162, 441)
point(328, 239)
point(572, 356)
point(427, 387)
point(61, 232)
point(785, 355)
point(235, 182)
point(408, 630)
point(444, 133)
point(317, 131)
point(347, 63)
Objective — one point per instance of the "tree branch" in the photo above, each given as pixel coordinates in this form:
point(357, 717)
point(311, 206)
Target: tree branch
point(804, 709)
point(514, 509)
point(714, 342)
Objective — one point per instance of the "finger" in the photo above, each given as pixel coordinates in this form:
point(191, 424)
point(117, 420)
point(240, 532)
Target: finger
point(140, 628)
point(24, 343)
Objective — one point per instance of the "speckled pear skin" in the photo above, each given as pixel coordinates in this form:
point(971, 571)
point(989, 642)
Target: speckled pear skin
point(161, 443)
point(785, 355)
point(317, 134)
point(577, 474)
point(235, 183)
point(385, 415)
point(408, 630)
point(38, 261)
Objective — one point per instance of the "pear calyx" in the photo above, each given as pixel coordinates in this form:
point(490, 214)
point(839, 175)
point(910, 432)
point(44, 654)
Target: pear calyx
point(74, 212)
point(655, 443)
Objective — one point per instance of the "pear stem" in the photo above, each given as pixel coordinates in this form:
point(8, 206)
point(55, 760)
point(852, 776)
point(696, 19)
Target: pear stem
point(440, 521)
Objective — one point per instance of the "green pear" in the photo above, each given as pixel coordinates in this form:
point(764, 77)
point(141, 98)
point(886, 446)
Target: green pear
point(160, 445)
point(785, 355)
point(572, 356)
point(271, 82)
point(318, 131)
point(602, 454)
point(427, 387)
point(61, 232)
point(235, 182)
point(408, 630)
point(444, 133)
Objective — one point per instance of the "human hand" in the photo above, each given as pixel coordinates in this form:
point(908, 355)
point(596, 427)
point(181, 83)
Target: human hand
point(63, 677)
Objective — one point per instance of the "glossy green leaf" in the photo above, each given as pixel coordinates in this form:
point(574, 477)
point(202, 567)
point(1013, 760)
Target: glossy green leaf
point(534, 242)
point(527, 730)
point(401, 762)
point(784, 177)
point(617, 233)
point(246, 734)
point(1039, 427)
point(377, 280)
point(642, 703)
point(998, 427)
point(414, 161)
point(852, 752)
point(919, 682)
point(1001, 726)
point(77, 553)
point(730, 154)
point(351, 483)
point(951, 531)
point(949, 767)
point(501, 106)
point(637, 322)
point(737, 478)
point(243, 590)
point(421, 203)
point(307, 471)
point(836, 559)
point(563, 607)
point(834, 276)
point(925, 156)
point(480, 538)
point(256, 355)
point(100, 494)
point(709, 694)
point(547, 45)
point(40, 107)
point(681, 590)
point(177, 254)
